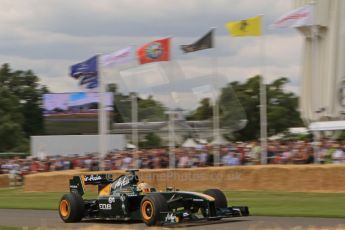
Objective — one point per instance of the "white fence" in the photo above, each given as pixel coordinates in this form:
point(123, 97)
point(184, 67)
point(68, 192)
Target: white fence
point(73, 144)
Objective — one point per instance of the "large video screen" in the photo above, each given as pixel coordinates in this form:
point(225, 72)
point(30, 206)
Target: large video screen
point(73, 113)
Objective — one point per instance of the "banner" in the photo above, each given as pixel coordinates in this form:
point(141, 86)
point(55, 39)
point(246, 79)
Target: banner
point(302, 16)
point(156, 51)
point(247, 27)
point(205, 42)
point(119, 57)
point(74, 113)
point(86, 72)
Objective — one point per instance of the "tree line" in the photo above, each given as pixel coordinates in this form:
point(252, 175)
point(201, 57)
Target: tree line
point(237, 97)
point(21, 116)
point(20, 108)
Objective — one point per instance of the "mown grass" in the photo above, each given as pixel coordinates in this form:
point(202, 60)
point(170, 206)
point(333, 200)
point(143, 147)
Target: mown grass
point(16, 198)
point(260, 203)
point(9, 228)
point(290, 203)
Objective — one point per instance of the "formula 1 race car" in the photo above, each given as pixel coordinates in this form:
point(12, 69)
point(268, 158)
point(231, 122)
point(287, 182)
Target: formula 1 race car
point(126, 199)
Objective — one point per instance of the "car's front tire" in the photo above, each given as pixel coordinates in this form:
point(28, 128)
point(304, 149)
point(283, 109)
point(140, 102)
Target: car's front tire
point(151, 207)
point(71, 208)
point(218, 195)
point(219, 200)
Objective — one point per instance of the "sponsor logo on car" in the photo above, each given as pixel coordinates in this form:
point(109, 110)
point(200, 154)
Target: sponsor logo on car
point(123, 181)
point(105, 206)
point(92, 178)
point(111, 200)
point(171, 218)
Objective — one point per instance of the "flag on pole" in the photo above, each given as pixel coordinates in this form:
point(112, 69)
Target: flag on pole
point(248, 27)
point(206, 42)
point(302, 16)
point(86, 72)
point(156, 51)
point(119, 57)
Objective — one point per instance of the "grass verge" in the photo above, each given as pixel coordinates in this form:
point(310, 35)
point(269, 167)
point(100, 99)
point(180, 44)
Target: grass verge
point(9, 228)
point(16, 198)
point(260, 203)
point(290, 203)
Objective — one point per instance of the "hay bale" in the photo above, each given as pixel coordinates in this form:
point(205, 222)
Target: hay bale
point(292, 178)
point(4, 180)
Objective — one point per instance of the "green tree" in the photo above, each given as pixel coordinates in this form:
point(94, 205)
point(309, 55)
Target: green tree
point(248, 96)
point(148, 109)
point(203, 112)
point(121, 105)
point(240, 108)
point(232, 114)
point(21, 107)
point(11, 121)
point(152, 140)
point(282, 106)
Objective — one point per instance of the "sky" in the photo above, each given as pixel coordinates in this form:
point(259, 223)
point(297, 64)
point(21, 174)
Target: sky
point(49, 36)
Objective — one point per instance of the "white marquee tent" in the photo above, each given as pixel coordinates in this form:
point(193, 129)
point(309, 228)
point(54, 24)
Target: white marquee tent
point(189, 143)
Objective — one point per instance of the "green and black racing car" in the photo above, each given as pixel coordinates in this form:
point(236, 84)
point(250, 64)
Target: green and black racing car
point(126, 199)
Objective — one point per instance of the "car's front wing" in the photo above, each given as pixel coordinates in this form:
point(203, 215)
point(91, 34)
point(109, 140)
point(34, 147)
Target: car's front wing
point(183, 216)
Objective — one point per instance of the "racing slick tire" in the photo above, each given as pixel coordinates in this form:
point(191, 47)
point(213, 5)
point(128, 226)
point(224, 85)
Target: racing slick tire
point(71, 208)
point(218, 195)
point(219, 200)
point(151, 207)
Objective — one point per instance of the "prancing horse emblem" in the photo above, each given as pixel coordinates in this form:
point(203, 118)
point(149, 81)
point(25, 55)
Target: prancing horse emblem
point(243, 25)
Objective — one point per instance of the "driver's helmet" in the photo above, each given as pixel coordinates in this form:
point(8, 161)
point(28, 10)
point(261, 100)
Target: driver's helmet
point(144, 187)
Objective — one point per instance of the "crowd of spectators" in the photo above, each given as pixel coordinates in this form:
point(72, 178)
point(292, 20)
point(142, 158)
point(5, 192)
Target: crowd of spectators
point(239, 153)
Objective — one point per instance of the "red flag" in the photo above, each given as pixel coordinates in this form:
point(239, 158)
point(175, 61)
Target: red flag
point(158, 50)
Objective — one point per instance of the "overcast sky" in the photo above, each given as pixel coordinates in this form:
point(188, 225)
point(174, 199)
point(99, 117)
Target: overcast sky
point(49, 36)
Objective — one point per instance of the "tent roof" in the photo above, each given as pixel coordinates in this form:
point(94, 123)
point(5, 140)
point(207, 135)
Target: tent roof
point(298, 130)
point(327, 125)
point(130, 146)
point(219, 140)
point(189, 143)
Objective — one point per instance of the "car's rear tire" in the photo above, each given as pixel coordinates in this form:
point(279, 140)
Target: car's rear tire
point(151, 207)
point(71, 208)
point(218, 195)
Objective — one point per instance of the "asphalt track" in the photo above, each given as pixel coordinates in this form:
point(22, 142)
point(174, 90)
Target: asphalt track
point(45, 218)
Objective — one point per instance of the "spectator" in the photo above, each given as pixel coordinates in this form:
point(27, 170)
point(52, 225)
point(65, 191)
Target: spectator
point(184, 160)
point(240, 153)
point(202, 157)
point(230, 159)
point(271, 152)
point(286, 155)
point(338, 155)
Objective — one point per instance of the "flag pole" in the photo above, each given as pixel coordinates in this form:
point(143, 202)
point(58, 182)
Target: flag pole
point(314, 56)
point(171, 140)
point(263, 102)
point(135, 116)
point(216, 126)
point(135, 139)
point(134, 110)
point(172, 159)
point(102, 118)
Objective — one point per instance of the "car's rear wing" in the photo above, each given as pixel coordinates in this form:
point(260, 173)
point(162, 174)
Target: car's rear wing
point(77, 183)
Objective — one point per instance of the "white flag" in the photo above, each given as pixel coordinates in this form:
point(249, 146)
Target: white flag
point(122, 56)
point(302, 16)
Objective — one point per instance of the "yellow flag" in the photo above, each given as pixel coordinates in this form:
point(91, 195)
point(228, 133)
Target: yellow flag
point(247, 27)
